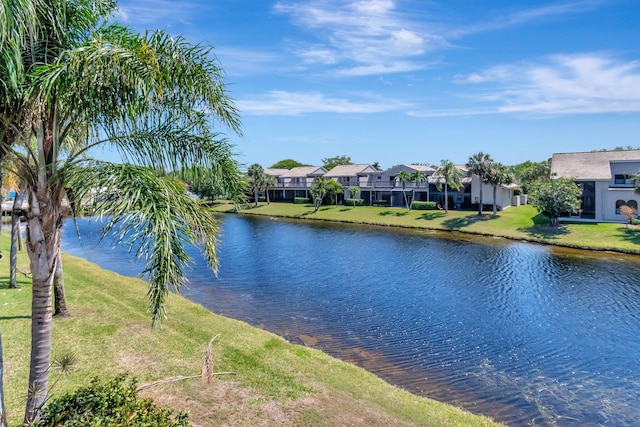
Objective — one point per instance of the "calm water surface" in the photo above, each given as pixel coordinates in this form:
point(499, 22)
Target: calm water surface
point(527, 334)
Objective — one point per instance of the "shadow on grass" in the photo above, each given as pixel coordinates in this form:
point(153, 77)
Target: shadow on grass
point(428, 216)
point(541, 220)
point(631, 235)
point(14, 317)
point(461, 222)
point(345, 209)
point(395, 213)
point(545, 231)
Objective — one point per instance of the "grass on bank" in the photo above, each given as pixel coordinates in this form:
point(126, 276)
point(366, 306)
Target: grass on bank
point(520, 222)
point(277, 383)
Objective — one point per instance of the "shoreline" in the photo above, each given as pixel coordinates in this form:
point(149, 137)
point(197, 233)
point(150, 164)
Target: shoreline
point(438, 228)
point(277, 382)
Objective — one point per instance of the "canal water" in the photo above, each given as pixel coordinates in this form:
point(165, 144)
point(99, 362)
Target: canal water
point(524, 333)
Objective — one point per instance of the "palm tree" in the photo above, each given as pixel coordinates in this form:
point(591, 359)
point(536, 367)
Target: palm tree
point(318, 191)
point(354, 194)
point(452, 177)
point(256, 173)
point(268, 182)
point(417, 177)
point(333, 189)
point(478, 164)
point(404, 177)
point(81, 82)
point(497, 175)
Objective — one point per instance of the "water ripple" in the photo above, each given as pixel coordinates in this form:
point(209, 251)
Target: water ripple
point(527, 334)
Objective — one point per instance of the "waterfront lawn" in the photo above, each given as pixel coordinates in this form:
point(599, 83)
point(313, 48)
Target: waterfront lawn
point(277, 383)
point(521, 222)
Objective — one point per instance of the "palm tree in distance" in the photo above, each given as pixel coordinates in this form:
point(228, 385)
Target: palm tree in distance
point(81, 82)
point(497, 175)
point(418, 178)
point(268, 182)
point(479, 164)
point(333, 189)
point(452, 177)
point(318, 191)
point(256, 174)
point(354, 194)
point(403, 177)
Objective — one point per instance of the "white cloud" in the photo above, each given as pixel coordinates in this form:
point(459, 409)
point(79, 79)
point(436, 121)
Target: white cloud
point(493, 74)
point(561, 84)
point(524, 16)
point(319, 56)
point(453, 112)
point(367, 34)
point(146, 12)
point(380, 69)
point(284, 103)
point(561, 8)
point(239, 62)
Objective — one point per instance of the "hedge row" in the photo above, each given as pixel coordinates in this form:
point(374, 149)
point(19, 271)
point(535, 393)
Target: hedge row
point(423, 206)
point(354, 202)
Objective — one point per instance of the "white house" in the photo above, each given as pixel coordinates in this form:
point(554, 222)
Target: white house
point(605, 179)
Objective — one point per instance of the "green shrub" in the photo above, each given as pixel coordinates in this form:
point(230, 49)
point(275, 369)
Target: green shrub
point(112, 403)
point(300, 200)
point(262, 199)
point(423, 206)
point(354, 202)
point(635, 221)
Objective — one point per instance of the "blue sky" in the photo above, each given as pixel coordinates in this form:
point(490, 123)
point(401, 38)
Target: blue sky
point(418, 81)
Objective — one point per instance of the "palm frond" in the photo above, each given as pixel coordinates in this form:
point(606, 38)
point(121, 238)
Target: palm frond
point(155, 216)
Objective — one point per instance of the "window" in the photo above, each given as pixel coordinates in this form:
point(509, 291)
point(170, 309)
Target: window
point(623, 179)
point(619, 204)
point(632, 204)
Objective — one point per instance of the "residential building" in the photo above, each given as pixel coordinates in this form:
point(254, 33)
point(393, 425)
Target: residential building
point(383, 188)
point(294, 182)
point(354, 176)
point(605, 180)
point(504, 194)
point(386, 188)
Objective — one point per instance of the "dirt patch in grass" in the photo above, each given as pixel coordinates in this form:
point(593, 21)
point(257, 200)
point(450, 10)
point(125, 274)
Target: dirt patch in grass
point(227, 403)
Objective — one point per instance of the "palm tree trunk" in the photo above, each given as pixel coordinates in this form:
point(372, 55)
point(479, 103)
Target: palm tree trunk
point(15, 239)
point(42, 235)
point(446, 199)
point(480, 204)
point(60, 301)
point(406, 199)
point(3, 414)
point(495, 210)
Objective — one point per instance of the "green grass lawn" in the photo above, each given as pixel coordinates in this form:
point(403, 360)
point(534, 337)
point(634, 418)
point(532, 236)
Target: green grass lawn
point(521, 222)
point(276, 383)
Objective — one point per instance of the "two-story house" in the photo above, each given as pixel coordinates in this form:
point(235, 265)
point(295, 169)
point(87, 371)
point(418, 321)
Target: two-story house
point(354, 176)
point(605, 179)
point(295, 182)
